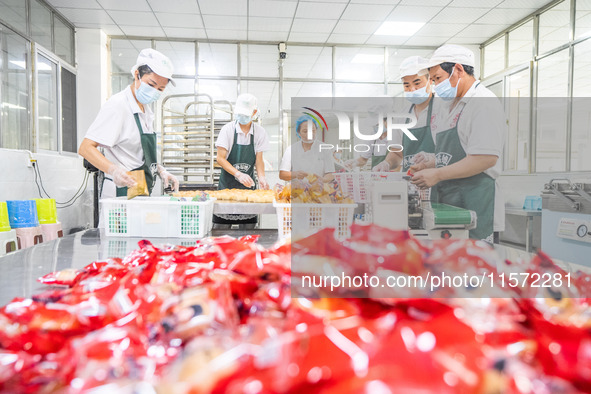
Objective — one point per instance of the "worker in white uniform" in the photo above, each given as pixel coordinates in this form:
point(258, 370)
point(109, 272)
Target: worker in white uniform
point(124, 129)
point(377, 153)
point(240, 145)
point(418, 91)
point(304, 157)
point(469, 136)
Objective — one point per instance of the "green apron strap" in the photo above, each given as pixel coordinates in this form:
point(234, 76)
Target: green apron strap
point(150, 165)
point(424, 142)
point(430, 111)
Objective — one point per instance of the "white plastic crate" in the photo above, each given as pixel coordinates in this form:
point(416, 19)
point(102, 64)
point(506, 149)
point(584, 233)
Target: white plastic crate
point(309, 217)
point(156, 217)
point(356, 184)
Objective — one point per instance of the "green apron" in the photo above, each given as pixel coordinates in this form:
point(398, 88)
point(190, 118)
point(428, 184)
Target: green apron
point(476, 193)
point(243, 158)
point(375, 159)
point(424, 142)
point(150, 161)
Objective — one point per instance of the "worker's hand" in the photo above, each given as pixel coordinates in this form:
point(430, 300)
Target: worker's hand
point(263, 184)
point(168, 178)
point(245, 179)
point(350, 164)
point(120, 176)
point(298, 174)
point(382, 167)
point(426, 178)
point(423, 160)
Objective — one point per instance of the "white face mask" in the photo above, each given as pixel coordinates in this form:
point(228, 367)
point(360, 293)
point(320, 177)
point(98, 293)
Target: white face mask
point(243, 119)
point(444, 89)
point(418, 96)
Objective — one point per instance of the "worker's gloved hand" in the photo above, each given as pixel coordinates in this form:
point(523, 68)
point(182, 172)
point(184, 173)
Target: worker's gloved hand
point(245, 179)
point(382, 167)
point(299, 175)
point(424, 160)
point(351, 163)
point(263, 183)
point(120, 176)
point(168, 178)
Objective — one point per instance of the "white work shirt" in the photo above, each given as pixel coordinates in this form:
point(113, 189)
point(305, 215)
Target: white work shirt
point(379, 147)
point(116, 131)
point(312, 161)
point(226, 137)
point(482, 129)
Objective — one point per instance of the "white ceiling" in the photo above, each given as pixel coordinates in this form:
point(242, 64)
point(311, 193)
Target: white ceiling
point(326, 21)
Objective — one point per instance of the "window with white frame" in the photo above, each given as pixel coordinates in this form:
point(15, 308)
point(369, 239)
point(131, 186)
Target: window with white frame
point(560, 133)
point(14, 91)
point(47, 103)
point(49, 124)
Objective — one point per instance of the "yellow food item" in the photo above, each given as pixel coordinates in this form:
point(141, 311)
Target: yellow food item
point(141, 187)
point(234, 195)
point(313, 193)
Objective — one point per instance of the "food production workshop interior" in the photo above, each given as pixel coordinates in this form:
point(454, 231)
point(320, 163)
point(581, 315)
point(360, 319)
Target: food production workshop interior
point(295, 196)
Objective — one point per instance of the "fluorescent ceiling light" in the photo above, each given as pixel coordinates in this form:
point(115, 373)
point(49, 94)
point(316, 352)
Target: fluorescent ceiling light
point(391, 28)
point(361, 58)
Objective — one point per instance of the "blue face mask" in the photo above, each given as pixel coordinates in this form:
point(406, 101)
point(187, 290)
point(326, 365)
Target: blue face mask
point(146, 94)
point(243, 119)
point(418, 96)
point(445, 90)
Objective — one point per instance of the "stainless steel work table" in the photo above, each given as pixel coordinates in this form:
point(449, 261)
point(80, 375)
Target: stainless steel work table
point(529, 222)
point(19, 270)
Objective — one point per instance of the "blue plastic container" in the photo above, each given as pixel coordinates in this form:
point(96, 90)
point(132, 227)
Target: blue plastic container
point(22, 213)
point(532, 203)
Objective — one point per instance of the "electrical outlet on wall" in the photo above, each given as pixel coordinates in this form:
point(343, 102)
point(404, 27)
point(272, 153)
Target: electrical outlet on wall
point(30, 160)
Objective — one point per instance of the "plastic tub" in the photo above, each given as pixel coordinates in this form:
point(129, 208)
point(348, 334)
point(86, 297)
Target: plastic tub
point(307, 218)
point(156, 217)
point(46, 210)
point(22, 213)
point(4, 221)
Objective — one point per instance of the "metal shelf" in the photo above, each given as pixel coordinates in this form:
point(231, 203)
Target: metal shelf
point(190, 125)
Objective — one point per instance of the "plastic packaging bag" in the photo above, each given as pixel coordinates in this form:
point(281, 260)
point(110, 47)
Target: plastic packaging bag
point(141, 187)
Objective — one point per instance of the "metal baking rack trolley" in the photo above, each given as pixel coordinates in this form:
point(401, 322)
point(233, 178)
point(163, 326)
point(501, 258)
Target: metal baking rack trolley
point(190, 126)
